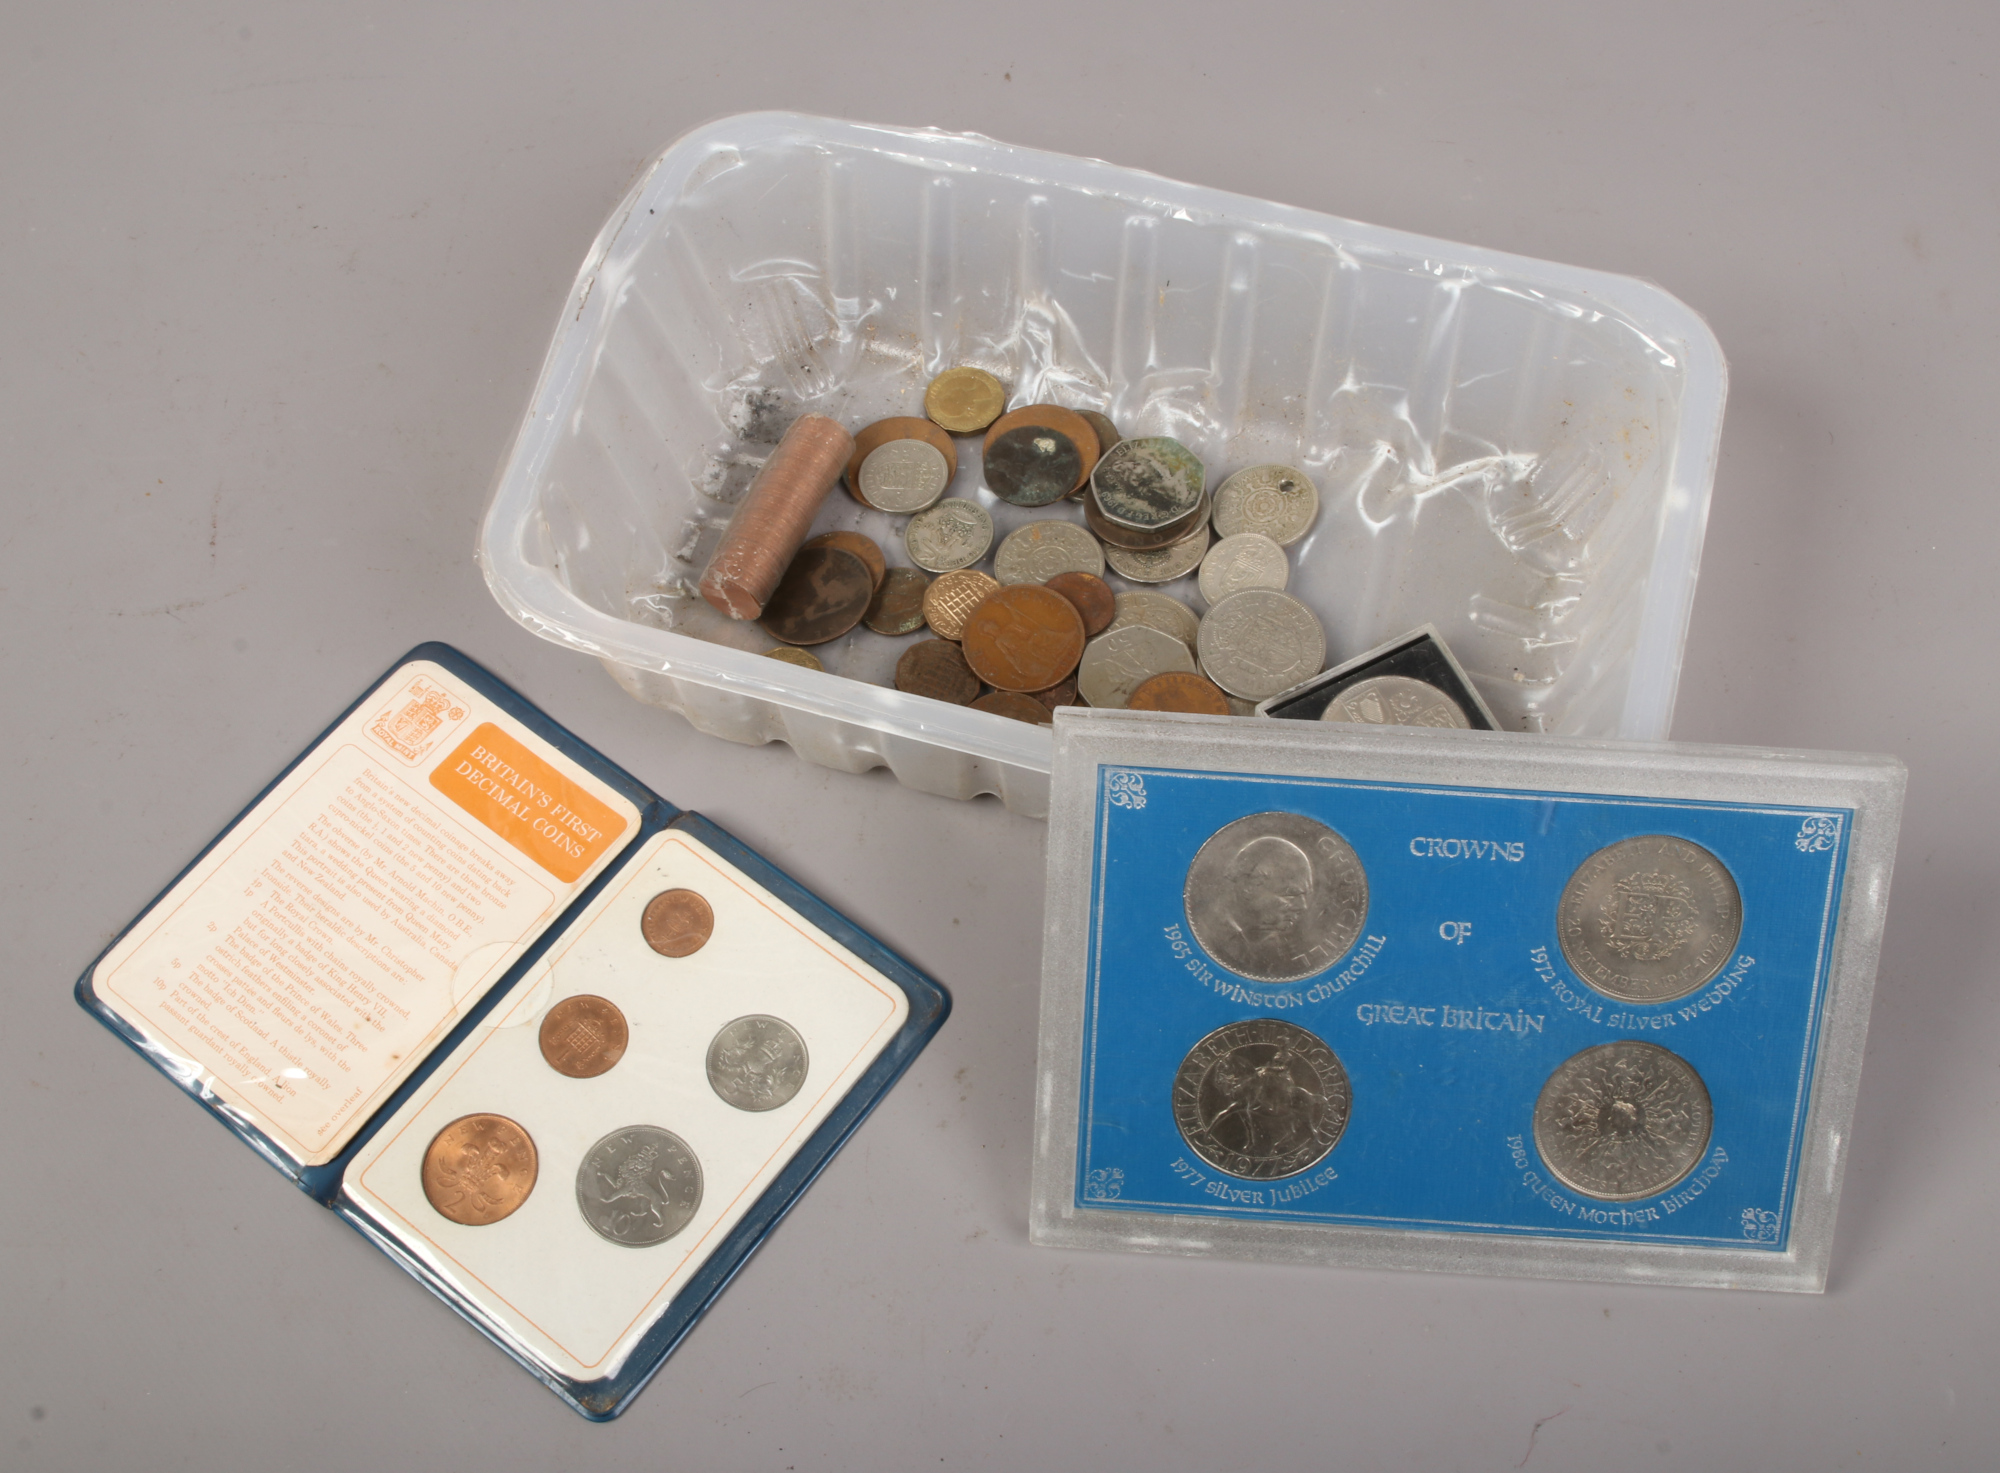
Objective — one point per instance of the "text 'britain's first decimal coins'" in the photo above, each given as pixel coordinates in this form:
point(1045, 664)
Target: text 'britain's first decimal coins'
point(639, 1186)
point(1276, 897)
point(583, 1036)
point(1649, 919)
point(479, 1169)
point(1623, 1120)
point(677, 923)
point(757, 1063)
point(1261, 1099)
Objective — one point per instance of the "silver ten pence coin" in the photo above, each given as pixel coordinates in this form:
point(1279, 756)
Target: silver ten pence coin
point(1276, 897)
point(1261, 1099)
point(757, 1063)
point(1623, 1120)
point(1259, 642)
point(1395, 700)
point(1038, 551)
point(904, 475)
point(639, 1186)
point(1276, 500)
point(953, 534)
point(1649, 919)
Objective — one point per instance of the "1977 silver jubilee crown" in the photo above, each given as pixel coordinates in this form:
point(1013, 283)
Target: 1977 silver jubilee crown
point(1276, 897)
point(639, 1186)
point(1623, 1120)
point(1261, 1099)
point(1649, 919)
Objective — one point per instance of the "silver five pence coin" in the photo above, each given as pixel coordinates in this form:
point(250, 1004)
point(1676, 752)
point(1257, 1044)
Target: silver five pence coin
point(757, 1063)
point(1623, 1120)
point(1649, 919)
point(1276, 897)
point(1261, 1099)
point(639, 1186)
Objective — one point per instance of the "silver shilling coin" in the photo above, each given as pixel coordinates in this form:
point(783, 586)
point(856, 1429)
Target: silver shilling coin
point(1395, 700)
point(639, 1186)
point(1147, 482)
point(757, 1062)
point(1276, 897)
point(1161, 611)
point(1261, 1099)
point(1163, 565)
point(1038, 551)
point(1118, 659)
point(953, 534)
point(1623, 1120)
point(904, 475)
point(1259, 642)
point(1276, 500)
point(1649, 919)
point(1247, 560)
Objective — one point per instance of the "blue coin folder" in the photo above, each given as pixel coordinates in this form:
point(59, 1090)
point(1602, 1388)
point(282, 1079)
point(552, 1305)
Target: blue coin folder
point(364, 955)
point(1454, 1003)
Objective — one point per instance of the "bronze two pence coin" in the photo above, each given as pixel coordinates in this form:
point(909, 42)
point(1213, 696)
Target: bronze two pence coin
point(937, 668)
point(1176, 690)
point(823, 594)
point(583, 1036)
point(1015, 707)
point(862, 547)
point(479, 1169)
point(898, 605)
point(1095, 603)
point(1024, 638)
point(677, 923)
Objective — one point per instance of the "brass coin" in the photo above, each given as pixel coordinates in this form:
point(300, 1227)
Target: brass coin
point(677, 923)
point(862, 547)
point(823, 594)
point(583, 1036)
point(1095, 603)
point(898, 427)
point(898, 606)
point(479, 1169)
point(1031, 465)
point(1065, 422)
point(1015, 707)
point(1024, 638)
point(1062, 693)
point(1177, 691)
point(804, 659)
point(965, 400)
point(949, 601)
point(1111, 534)
point(937, 668)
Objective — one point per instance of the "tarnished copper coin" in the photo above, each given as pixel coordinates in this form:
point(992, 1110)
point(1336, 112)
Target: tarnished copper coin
point(792, 655)
point(583, 1036)
point(862, 547)
point(965, 400)
point(1111, 534)
point(479, 1169)
point(1176, 690)
point(823, 594)
point(898, 605)
point(1107, 432)
point(1031, 465)
point(677, 923)
point(1024, 638)
point(1095, 603)
point(937, 668)
point(950, 600)
point(1062, 693)
point(1065, 422)
point(898, 427)
point(1015, 707)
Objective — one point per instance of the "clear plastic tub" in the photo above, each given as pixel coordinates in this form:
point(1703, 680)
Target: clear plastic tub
point(1516, 451)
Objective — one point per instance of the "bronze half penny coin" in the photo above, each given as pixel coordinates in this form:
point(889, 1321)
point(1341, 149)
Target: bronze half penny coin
point(677, 923)
point(1178, 691)
point(1015, 707)
point(823, 594)
point(1031, 465)
point(479, 1169)
point(937, 668)
point(1095, 603)
point(898, 605)
point(1065, 422)
point(898, 427)
point(862, 547)
point(583, 1036)
point(950, 600)
point(965, 400)
point(1062, 693)
point(1024, 638)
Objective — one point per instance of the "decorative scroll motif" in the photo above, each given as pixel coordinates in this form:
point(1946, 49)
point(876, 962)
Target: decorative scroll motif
point(1128, 789)
point(1818, 835)
point(1103, 1184)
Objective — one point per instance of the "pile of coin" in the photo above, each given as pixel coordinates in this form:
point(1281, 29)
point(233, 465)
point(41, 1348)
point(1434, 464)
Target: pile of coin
point(1044, 627)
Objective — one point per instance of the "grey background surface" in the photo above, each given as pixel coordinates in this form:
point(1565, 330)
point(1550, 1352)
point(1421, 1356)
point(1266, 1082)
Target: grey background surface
point(275, 281)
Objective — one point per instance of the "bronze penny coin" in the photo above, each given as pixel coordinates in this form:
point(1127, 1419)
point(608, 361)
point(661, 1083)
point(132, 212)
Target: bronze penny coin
point(1014, 707)
point(583, 1036)
point(1095, 603)
point(1113, 534)
point(787, 654)
point(1062, 693)
point(949, 601)
point(898, 605)
point(1177, 691)
point(479, 1169)
point(1031, 466)
point(937, 668)
point(1024, 638)
point(677, 923)
point(1107, 432)
point(965, 400)
point(1065, 422)
point(898, 427)
point(823, 594)
point(862, 547)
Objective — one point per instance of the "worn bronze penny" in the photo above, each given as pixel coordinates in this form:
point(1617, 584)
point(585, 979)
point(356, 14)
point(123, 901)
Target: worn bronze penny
point(1111, 534)
point(1015, 707)
point(950, 600)
point(1062, 693)
point(937, 668)
point(899, 427)
point(823, 594)
point(1176, 690)
point(583, 1036)
point(1107, 432)
point(1031, 465)
point(1095, 603)
point(898, 605)
point(677, 923)
point(862, 547)
point(965, 400)
point(479, 1169)
point(1065, 422)
point(1024, 638)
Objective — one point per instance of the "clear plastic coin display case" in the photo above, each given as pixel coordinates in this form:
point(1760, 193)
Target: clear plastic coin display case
point(561, 1050)
point(1459, 1000)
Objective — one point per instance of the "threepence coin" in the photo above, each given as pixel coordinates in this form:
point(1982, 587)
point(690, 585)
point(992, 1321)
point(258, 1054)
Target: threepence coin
point(1038, 551)
point(757, 1063)
point(677, 923)
point(1148, 482)
point(965, 400)
point(949, 602)
point(1092, 597)
point(1273, 499)
point(1162, 566)
point(479, 1168)
point(903, 476)
point(1395, 700)
point(823, 594)
point(862, 547)
point(1261, 1099)
point(937, 668)
point(1247, 560)
point(1176, 691)
point(1259, 642)
point(1276, 897)
point(638, 1186)
point(1649, 919)
point(1623, 1120)
point(951, 535)
point(1161, 611)
point(583, 1036)
point(1032, 465)
point(1116, 662)
point(1024, 638)
point(898, 606)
